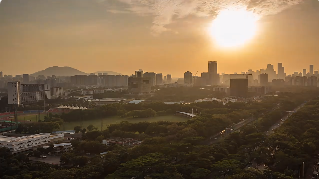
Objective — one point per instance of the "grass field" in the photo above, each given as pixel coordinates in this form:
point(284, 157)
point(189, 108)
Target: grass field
point(31, 117)
point(114, 120)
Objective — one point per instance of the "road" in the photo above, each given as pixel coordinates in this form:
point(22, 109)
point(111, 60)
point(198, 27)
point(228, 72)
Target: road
point(216, 138)
point(275, 126)
point(282, 120)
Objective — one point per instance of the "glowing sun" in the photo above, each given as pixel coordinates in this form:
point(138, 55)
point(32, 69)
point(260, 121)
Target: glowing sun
point(233, 28)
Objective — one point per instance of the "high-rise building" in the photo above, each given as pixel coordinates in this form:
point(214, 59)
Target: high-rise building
point(139, 84)
point(152, 76)
point(281, 71)
point(14, 92)
point(304, 72)
point(92, 79)
point(205, 79)
point(188, 78)
point(316, 73)
point(26, 78)
point(1, 74)
point(239, 87)
point(271, 72)
point(169, 78)
point(159, 79)
point(139, 73)
point(212, 72)
point(212, 67)
point(311, 70)
point(312, 81)
point(263, 79)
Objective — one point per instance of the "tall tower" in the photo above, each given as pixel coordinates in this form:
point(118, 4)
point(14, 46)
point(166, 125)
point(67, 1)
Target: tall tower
point(304, 72)
point(188, 77)
point(311, 70)
point(212, 72)
point(169, 78)
point(212, 67)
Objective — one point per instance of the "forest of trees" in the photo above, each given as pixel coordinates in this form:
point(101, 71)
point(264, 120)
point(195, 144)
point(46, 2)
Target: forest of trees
point(180, 150)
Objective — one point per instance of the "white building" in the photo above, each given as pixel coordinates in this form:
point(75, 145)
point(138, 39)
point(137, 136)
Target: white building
point(62, 147)
point(24, 143)
point(14, 93)
point(25, 93)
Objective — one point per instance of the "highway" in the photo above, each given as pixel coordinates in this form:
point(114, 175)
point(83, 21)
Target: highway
point(271, 130)
point(282, 120)
point(216, 138)
point(221, 135)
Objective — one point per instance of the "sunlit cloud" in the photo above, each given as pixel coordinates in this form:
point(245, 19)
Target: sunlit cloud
point(165, 11)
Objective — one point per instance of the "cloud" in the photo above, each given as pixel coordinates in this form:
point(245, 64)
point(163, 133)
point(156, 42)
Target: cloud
point(165, 11)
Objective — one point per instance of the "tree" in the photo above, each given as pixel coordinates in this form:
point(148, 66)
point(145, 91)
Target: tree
point(80, 161)
point(227, 167)
point(91, 127)
point(66, 158)
point(77, 129)
point(92, 135)
point(200, 173)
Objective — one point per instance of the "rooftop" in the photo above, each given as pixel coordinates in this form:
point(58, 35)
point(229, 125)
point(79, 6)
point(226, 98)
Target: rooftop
point(23, 138)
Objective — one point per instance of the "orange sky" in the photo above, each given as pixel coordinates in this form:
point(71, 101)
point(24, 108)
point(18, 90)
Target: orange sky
point(114, 35)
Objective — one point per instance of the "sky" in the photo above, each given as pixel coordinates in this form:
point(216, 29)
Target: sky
point(163, 36)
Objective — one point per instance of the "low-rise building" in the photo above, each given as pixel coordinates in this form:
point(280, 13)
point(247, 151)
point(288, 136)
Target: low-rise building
point(62, 147)
point(121, 141)
point(24, 143)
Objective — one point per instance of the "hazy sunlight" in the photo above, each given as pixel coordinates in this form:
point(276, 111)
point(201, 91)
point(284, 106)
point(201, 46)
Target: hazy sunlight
point(233, 28)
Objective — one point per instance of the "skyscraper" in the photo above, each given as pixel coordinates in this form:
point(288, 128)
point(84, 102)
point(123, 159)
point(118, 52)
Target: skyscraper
point(263, 79)
point(304, 72)
point(212, 67)
point(281, 71)
point(139, 84)
point(151, 75)
point(169, 78)
point(311, 70)
point(159, 79)
point(271, 72)
point(212, 72)
point(1, 74)
point(188, 77)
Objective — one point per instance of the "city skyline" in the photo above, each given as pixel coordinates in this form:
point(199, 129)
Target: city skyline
point(279, 69)
point(96, 35)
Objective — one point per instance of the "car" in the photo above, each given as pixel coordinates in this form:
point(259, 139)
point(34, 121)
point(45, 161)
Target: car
point(43, 156)
point(215, 138)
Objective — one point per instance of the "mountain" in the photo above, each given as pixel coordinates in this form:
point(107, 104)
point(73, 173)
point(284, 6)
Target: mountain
point(108, 72)
point(59, 71)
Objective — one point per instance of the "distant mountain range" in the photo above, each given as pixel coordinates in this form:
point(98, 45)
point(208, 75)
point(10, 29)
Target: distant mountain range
point(66, 71)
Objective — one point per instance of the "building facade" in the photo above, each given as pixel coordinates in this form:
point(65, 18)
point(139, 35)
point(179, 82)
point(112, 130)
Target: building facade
point(188, 78)
point(139, 84)
point(159, 79)
point(24, 143)
point(239, 87)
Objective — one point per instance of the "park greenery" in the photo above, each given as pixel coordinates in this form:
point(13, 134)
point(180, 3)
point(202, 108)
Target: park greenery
point(185, 149)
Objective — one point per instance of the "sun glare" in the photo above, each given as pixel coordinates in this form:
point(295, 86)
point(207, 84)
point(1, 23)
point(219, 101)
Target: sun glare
point(233, 28)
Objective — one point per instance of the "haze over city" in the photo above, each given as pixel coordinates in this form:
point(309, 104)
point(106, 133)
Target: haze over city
point(170, 37)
